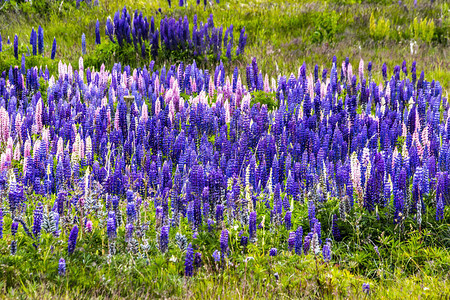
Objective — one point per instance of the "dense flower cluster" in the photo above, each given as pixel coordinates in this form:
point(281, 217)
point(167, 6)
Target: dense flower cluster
point(173, 35)
point(116, 146)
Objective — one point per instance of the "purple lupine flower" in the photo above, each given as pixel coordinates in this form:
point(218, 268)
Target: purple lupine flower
point(14, 228)
point(37, 223)
point(298, 240)
point(439, 209)
point(189, 261)
point(273, 252)
point(16, 47)
point(40, 40)
point(97, 33)
point(252, 225)
point(306, 244)
point(366, 288)
point(13, 249)
point(111, 228)
point(335, 229)
point(384, 71)
point(326, 252)
point(131, 212)
point(89, 226)
point(53, 48)
point(164, 239)
point(210, 224)
point(291, 240)
point(376, 250)
point(62, 267)
point(311, 213)
point(287, 220)
point(219, 213)
point(198, 260)
point(72, 243)
point(216, 255)
point(1, 223)
point(33, 41)
point(83, 44)
point(224, 242)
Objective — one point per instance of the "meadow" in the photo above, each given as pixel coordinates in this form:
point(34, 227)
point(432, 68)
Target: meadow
point(224, 149)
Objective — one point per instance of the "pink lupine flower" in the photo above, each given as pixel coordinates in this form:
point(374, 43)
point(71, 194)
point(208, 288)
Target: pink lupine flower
point(157, 107)
point(211, 88)
point(16, 155)
point(239, 90)
point(8, 155)
point(274, 84)
point(349, 71)
point(88, 145)
point(130, 82)
point(26, 161)
point(193, 85)
point(172, 82)
point(203, 97)
point(70, 73)
point(76, 155)
point(60, 147)
point(171, 111)
point(266, 84)
point(168, 96)
point(38, 116)
point(176, 96)
point(355, 168)
point(81, 68)
point(27, 148)
point(361, 69)
point(2, 162)
point(144, 113)
point(141, 84)
point(246, 101)
point(4, 125)
point(226, 106)
point(157, 85)
point(81, 148)
point(10, 144)
point(104, 101)
point(18, 125)
point(36, 147)
point(62, 69)
point(89, 226)
point(46, 137)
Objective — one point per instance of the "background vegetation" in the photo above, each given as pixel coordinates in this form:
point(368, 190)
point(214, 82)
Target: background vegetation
point(282, 35)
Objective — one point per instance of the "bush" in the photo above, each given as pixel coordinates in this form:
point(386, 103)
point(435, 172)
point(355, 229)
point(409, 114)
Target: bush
point(379, 30)
point(423, 30)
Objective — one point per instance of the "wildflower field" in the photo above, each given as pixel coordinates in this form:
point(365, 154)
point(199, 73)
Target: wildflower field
point(224, 149)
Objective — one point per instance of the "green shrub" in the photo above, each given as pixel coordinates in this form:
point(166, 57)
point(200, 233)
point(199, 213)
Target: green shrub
point(379, 30)
point(264, 98)
point(326, 26)
point(423, 30)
